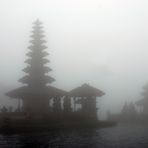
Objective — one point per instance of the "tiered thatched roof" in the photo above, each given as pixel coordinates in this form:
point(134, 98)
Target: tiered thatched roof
point(25, 91)
point(86, 91)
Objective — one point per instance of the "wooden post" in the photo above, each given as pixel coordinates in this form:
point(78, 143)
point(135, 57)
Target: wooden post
point(19, 104)
point(74, 104)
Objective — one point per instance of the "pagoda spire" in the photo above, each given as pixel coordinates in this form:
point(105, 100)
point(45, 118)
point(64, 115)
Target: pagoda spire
point(36, 69)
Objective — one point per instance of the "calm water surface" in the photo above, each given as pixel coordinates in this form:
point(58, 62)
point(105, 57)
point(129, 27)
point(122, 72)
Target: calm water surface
point(129, 136)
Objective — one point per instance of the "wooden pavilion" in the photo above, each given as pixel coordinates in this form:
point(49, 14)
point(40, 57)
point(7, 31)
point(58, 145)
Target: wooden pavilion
point(86, 96)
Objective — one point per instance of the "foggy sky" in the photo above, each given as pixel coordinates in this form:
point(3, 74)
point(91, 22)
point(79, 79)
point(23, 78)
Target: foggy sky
point(100, 42)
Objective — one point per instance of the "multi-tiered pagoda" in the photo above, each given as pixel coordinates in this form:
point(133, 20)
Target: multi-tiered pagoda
point(36, 91)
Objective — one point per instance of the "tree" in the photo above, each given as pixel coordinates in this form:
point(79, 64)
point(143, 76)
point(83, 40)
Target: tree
point(132, 110)
point(144, 101)
point(125, 109)
point(129, 112)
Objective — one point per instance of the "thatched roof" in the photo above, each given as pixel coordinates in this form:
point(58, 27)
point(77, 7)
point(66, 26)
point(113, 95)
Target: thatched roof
point(86, 91)
point(27, 79)
point(25, 91)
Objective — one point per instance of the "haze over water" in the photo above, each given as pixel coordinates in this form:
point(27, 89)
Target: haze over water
point(116, 137)
point(101, 42)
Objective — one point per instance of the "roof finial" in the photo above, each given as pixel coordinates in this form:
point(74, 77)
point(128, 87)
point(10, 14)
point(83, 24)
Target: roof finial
point(37, 22)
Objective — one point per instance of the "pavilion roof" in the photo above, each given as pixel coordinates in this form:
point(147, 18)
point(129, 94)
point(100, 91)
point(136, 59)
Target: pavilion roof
point(86, 91)
point(26, 92)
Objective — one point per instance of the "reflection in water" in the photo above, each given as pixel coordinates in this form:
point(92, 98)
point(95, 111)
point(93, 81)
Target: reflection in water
point(33, 140)
point(117, 137)
point(56, 139)
point(9, 141)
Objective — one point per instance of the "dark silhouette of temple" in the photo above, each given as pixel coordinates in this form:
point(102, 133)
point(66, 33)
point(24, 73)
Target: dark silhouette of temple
point(85, 96)
point(37, 93)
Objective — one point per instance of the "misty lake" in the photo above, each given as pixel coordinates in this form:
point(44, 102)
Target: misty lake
point(121, 136)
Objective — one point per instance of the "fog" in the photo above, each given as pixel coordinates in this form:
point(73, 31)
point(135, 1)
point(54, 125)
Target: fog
point(100, 42)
